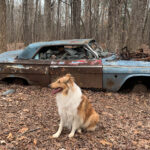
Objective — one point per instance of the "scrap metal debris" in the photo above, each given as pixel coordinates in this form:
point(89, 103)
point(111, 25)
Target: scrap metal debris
point(10, 91)
point(138, 55)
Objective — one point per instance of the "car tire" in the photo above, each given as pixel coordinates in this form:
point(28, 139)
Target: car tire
point(139, 88)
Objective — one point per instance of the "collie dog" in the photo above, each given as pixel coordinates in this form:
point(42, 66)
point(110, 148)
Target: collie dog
point(74, 109)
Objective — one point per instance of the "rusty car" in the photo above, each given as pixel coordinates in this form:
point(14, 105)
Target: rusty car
point(42, 62)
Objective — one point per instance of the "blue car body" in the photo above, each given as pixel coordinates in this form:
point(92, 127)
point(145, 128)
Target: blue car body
point(117, 72)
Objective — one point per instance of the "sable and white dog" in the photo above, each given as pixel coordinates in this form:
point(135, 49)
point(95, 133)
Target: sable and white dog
point(74, 109)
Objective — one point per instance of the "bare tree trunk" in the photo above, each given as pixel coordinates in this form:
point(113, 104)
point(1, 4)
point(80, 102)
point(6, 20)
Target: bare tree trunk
point(40, 24)
point(12, 33)
point(88, 18)
point(31, 18)
point(35, 29)
point(58, 20)
point(25, 23)
point(66, 20)
point(149, 39)
point(3, 46)
point(48, 20)
point(76, 17)
point(137, 24)
point(96, 19)
point(114, 28)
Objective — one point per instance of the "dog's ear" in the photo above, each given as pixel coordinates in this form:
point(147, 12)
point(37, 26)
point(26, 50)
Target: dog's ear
point(70, 78)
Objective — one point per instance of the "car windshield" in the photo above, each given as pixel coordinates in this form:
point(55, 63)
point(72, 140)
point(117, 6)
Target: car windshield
point(27, 53)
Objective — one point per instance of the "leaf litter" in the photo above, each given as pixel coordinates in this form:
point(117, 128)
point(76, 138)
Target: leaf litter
point(29, 117)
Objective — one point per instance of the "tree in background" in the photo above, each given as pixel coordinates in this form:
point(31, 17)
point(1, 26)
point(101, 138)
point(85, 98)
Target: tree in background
point(113, 23)
point(3, 40)
point(137, 23)
point(25, 15)
point(76, 17)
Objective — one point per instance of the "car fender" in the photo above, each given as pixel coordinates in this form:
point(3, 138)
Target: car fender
point(15, 76)
point(113, 82)
point(132, 76)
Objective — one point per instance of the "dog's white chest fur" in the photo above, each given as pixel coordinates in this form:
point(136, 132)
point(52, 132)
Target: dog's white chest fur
point(68, 105)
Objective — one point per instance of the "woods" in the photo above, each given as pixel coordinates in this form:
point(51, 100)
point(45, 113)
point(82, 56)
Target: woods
point(114, 24)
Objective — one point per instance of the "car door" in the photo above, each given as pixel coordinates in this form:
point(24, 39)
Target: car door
point(87, 72)
point(34, 71)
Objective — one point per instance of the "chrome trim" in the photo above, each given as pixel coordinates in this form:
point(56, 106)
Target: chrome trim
point(108, 66)
point(76, 66)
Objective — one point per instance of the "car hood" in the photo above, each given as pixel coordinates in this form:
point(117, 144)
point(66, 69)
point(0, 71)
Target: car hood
point(113, 61)
point(9, 57)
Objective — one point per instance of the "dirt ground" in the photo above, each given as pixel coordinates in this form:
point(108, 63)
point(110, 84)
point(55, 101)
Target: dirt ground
point(29, 117)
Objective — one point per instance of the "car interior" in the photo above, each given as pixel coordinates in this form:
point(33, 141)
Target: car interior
point(63, 53)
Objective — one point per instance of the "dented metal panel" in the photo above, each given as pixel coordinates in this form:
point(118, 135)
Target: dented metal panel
point(32, 72)
point(116, 72)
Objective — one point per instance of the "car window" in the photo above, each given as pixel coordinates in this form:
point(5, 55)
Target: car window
point(94, 45)
point(99, 50)
point(63, 53)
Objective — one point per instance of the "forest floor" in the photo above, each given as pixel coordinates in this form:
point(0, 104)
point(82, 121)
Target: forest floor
point(29, 117)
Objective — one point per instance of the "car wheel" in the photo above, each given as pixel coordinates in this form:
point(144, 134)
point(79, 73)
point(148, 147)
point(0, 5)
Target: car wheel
point(139, 88)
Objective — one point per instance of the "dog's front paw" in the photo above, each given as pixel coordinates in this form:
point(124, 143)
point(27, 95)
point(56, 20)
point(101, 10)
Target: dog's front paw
point(56, 135)
point(71, 135)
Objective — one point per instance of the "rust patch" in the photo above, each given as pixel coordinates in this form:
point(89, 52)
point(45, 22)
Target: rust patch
point(110, 83)
point(63, 69)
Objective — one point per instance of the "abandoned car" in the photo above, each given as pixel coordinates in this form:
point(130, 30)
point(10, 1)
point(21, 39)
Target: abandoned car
point(41, 63)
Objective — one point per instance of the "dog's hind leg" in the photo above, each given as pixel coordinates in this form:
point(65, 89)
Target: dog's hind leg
point(57, 134)
point(92, 122)
point(91, 128)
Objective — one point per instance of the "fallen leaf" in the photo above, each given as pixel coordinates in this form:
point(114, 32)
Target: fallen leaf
point(104, 142)
point(108, 114)
point(10, 137)
point(136, 131)
point(21, 138)
point(35, 141)
point(139, 123)
point(109, 107)
point(23, 130)
point(26, 110)
point(109, 94)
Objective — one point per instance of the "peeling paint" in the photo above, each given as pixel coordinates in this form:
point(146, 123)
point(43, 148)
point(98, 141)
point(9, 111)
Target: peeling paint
point(123, 69)
point(18, 67)
point(9, 56)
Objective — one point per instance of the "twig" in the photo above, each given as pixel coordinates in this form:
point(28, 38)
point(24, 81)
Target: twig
point(29, 131)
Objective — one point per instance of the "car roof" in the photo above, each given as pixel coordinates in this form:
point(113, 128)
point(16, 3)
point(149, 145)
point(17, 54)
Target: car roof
point(63, 42)
point(31, 49)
